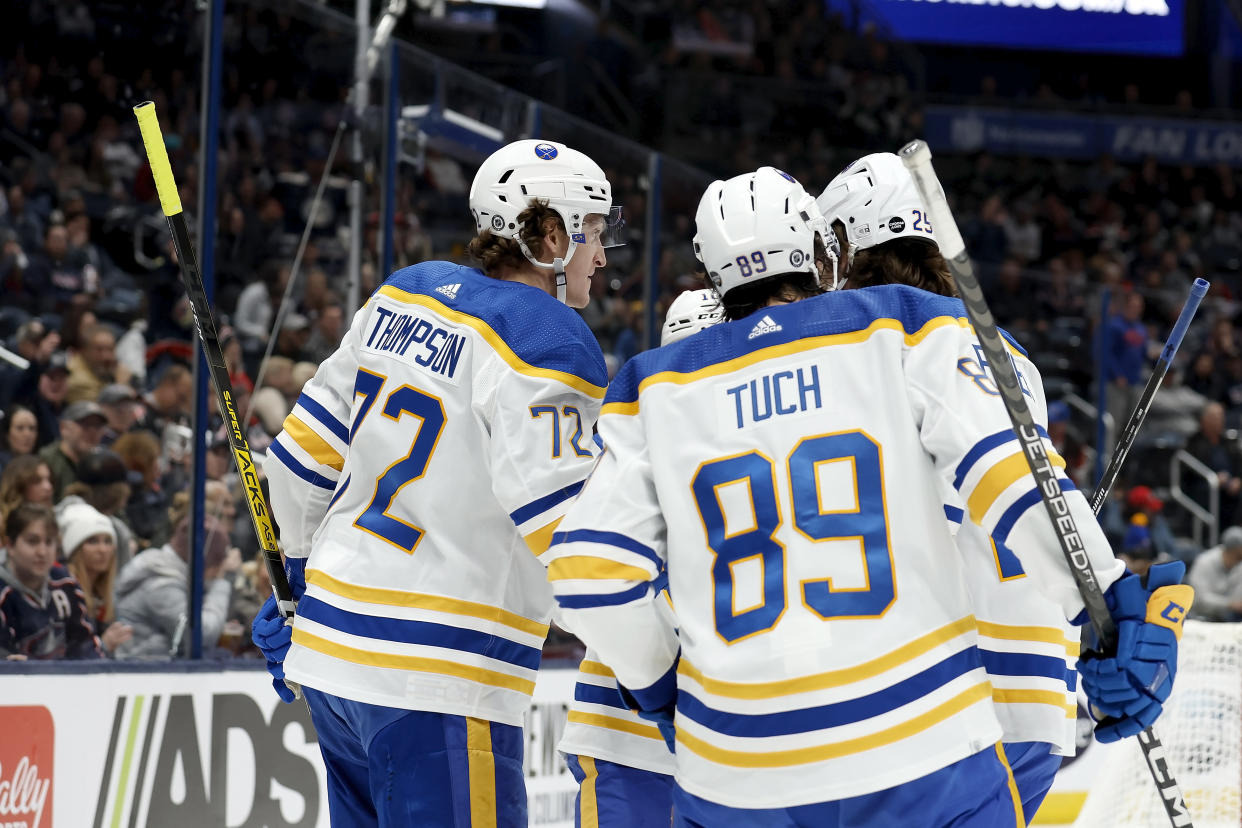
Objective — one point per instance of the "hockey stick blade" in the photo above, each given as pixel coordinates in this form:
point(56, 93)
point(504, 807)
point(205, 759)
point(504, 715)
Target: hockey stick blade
point(917, 157)
point(204, 323)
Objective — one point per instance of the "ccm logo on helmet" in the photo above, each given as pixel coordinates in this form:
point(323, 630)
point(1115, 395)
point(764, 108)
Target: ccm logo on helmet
point(545, 151)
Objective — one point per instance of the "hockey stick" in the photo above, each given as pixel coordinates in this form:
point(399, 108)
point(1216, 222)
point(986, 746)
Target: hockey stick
point(917, 157)
point(192, 280)
point(1197, 291)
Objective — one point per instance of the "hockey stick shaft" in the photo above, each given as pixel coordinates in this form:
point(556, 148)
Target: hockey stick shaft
point(192, 280)
point(1197, 291)
point(917, 158)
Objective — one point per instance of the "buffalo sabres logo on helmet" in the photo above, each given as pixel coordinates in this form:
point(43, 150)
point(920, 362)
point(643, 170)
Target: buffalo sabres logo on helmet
point(796, 258)
point(545, 151)
point(786, 176)
point(498, 222)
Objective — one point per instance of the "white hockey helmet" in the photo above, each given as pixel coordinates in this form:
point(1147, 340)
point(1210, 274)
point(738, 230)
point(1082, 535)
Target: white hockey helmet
point(691, 312)
point(573, 185)
point(756, 226)
point(875, 199)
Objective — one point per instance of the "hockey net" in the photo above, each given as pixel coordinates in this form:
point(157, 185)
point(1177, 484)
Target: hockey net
point(1201, 729)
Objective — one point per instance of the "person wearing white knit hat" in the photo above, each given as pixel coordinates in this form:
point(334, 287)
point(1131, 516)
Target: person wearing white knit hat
point(88, 543)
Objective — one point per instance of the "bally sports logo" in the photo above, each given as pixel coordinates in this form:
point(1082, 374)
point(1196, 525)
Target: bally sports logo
point(26, 767)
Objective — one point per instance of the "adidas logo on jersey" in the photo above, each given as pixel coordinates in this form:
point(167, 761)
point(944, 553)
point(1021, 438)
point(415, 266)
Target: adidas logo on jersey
point(449, 290)
point(765, 325)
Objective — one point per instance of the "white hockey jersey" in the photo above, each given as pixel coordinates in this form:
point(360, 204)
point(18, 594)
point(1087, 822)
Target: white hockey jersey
point(787, 469)
point(425, 462)
point(599, 725)
point(1029, 650)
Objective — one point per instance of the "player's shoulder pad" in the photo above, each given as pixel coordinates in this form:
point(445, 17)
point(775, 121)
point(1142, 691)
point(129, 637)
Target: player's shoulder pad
point(842, 313)
point(517, 320)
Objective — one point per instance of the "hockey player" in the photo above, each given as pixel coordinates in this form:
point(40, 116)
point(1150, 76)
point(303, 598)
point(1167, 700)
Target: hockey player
point(786, 468)
point(1026, 644)
point(623, 768)
point(416, 482)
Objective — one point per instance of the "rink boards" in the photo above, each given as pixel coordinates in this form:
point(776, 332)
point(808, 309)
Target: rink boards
point(211, 745)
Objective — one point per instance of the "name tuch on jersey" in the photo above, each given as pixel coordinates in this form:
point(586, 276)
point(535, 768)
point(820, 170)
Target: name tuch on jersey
point(399, 333)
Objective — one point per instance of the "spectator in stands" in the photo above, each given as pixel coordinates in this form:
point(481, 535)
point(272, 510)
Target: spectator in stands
point(48, 399)
point(219, 457)
point(94, 366)
point(294, 334)
point(1138, 551)
point(1068, 443)
point(88, 542)
point(256, 306)
point(1217, 579)
point(103, 484)
point(1125, 356)
point(326, 336)
point(169, 401)
point(43, 612)
point(21, 434)
point(1210, 446)
point(35, 343)
point(147, 510)
point(120, 405)
point(25, 480)
point(1013, 298)
point(152, 592)
point(81, 428)
point(57, 273)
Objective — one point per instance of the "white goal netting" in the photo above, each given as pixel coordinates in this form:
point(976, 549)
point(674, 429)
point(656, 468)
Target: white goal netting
point(1201, 729)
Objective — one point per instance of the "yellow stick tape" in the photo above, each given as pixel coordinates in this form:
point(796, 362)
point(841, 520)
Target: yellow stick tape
point(161, 170)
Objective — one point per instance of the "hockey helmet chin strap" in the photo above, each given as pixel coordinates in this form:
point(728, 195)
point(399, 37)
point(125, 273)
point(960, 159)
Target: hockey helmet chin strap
point(557, 266)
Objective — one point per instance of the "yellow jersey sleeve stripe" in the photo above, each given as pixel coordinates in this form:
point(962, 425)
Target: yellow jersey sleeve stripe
point(1047, 635)
point(540, 539)
point(318, 448)
point(417, 600)
point(414, 664)
point(999, 478)
point(482, 770)
point(613, 723)
point(1019, 819)
point(594, 668)
point(833, 678)
point(590, 568)
point(1048, 697)
point(835, 750)
point(493, 339)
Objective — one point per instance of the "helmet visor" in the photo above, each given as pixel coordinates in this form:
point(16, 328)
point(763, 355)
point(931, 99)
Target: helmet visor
point(610, 226)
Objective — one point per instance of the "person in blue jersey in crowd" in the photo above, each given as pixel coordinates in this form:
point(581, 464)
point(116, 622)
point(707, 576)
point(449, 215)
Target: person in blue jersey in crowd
point(417, 482)
point(622, 766)
point(43, 612)
point(788, 469)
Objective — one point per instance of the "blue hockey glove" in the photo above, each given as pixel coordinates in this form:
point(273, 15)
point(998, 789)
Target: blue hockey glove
point(273, 636)
point(661, 717)
point(1127, 689)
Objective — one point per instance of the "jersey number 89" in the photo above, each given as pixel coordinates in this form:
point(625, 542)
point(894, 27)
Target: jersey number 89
point(866, 522)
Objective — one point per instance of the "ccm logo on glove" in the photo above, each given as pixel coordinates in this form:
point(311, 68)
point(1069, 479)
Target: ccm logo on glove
point(1168, 606)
